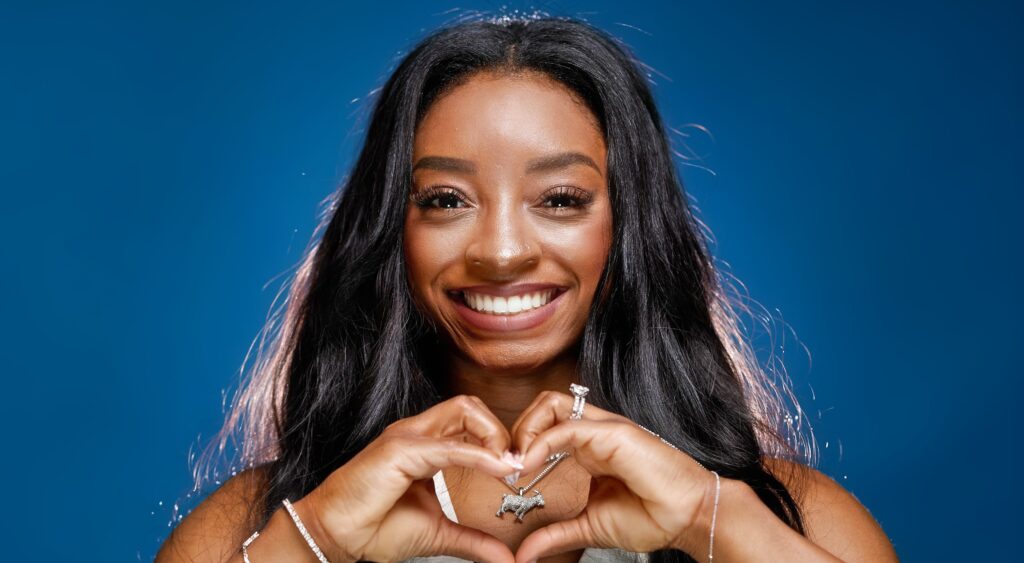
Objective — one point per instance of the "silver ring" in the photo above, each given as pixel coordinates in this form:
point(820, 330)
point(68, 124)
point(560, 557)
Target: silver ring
point(579, 393)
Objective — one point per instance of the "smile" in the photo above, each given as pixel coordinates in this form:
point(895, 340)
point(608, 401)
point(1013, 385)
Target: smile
point(497, 305)
point(504, 313)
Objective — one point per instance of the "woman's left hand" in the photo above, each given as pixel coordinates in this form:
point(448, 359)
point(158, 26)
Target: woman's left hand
point(644, 495)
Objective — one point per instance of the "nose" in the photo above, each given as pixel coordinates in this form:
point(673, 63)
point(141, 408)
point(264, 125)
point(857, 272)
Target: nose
point(503, 247)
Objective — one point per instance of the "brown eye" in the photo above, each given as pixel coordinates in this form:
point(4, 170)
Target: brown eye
point(563, 197)
point(439, 197)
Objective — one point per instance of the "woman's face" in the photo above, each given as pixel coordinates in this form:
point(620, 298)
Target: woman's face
point(509, 222)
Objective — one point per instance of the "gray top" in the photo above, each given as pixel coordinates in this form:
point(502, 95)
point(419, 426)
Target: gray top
point(590, 554)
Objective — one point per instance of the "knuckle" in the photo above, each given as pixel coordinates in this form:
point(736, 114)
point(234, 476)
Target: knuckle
point(452, 444)
point(397, 427)
point(520, 429)
point(465, 402)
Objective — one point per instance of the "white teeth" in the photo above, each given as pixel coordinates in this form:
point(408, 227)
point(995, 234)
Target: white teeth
point(507, 305)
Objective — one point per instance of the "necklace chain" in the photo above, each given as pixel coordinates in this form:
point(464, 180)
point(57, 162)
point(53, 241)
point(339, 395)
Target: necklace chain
point(554, 459)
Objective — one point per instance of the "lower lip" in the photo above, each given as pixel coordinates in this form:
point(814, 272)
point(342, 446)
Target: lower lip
point(508, 323)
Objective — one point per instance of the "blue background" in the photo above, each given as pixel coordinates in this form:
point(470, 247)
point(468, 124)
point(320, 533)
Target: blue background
point(162, 162)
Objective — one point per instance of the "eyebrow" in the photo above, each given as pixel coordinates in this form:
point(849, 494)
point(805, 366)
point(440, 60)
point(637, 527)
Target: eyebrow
point(547, 163)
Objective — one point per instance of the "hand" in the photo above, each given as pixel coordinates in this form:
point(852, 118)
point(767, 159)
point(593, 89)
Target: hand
point(644, 495)
point(381, 505)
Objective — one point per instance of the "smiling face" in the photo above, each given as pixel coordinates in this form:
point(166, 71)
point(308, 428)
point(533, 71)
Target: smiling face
point(509, 222)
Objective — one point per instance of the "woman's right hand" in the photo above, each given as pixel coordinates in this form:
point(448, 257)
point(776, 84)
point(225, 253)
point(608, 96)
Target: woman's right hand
point(381, 505)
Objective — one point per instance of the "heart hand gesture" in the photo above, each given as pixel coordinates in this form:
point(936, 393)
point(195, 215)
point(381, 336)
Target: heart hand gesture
point(645, 495)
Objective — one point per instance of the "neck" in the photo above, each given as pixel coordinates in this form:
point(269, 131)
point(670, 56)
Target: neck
point(508, 391)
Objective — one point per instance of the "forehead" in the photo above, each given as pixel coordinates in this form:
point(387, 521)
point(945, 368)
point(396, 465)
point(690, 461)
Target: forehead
point(500, 117)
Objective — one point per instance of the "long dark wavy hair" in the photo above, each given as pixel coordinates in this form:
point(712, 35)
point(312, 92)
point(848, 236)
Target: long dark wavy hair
point(346, 352)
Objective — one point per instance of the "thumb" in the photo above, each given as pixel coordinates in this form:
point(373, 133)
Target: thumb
point(567, 535)
point(472, 544)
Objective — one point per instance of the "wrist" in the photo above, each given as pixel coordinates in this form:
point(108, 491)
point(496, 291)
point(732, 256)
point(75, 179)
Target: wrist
point(745, 530)
point(310, 511)
point(697, 538)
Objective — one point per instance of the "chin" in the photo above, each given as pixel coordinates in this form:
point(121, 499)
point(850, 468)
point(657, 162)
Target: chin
point(510, 357)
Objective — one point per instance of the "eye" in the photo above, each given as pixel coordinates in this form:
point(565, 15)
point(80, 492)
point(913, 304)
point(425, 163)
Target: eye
point(566, 197)
point(439, 197)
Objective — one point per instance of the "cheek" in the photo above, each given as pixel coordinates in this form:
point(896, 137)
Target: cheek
point(427, 252)
point(584, 248)
point(416, 260)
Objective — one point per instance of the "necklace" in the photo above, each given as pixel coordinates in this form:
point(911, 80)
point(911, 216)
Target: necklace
point(519, 503)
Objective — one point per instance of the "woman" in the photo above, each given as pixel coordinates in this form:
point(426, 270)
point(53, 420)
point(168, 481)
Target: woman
point(513, 226)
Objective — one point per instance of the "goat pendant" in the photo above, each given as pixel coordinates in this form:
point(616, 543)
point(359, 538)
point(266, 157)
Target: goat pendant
point(520, 504)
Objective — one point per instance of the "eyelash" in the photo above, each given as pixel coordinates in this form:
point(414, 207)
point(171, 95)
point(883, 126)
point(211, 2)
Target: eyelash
point(578, 197)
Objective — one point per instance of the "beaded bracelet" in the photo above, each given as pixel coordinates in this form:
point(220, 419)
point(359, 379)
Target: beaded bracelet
point(305, 534)
point(245, 546)
point(718, 490)
point(302, 530)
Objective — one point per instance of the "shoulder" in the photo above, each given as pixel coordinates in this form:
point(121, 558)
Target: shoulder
point(833, 518)
point(216, 528)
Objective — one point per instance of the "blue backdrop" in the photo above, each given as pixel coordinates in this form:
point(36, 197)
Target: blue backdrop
point(162, 162)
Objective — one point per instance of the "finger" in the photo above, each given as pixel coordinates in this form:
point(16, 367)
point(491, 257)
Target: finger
point(413, 459)
point(566, 535)
point(463, 415)
point(542, 396)
point(549, 409)
point(621, 450)
point(470, 544)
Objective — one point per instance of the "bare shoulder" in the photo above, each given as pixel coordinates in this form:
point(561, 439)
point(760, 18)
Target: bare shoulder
point(215, 529)
point(833, 518)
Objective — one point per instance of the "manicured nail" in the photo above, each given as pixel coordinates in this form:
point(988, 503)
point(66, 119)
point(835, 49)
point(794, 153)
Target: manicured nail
point(512, 459)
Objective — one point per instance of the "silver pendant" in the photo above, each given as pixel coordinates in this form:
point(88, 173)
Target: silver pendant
point(520, 504)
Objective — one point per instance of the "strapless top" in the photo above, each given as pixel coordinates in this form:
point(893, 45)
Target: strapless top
point(590, 554)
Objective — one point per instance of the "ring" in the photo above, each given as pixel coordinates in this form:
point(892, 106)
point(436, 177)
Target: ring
point(579, 393)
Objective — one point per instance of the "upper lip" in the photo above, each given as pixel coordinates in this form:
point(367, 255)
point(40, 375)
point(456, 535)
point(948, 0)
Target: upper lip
point(508, 290)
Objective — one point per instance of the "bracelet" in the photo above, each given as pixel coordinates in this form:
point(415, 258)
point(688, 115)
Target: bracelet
point(305, 534)
point(245, 546)
point(669, 444)
point(714, 516)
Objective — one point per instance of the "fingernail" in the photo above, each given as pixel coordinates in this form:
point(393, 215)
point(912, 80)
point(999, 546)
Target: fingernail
point(511, 478)
point(512, 459)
